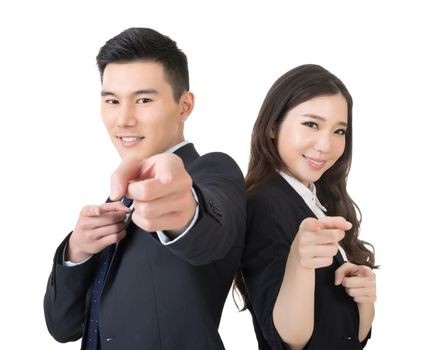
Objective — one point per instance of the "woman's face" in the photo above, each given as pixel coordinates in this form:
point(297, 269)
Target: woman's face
point(311, 138)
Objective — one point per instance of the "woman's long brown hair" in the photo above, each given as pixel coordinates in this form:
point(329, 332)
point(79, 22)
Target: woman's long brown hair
point(294, 87)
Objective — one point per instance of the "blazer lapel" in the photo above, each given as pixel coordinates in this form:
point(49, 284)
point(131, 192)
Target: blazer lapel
point(339, 258)
point(280, 182)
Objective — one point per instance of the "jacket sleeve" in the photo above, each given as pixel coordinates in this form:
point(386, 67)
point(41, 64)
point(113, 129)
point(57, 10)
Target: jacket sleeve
point(220, 188)
point(66, 296)
point(365, 341)
point(269, 238)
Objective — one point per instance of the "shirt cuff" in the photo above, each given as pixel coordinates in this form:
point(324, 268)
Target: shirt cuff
point(166, 240)
point(70, 263)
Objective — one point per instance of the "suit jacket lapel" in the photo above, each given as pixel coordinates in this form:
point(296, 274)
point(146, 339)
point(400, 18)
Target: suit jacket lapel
point(187, 153)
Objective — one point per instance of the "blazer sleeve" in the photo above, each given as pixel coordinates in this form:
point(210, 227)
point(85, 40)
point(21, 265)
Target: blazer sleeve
point(271, 228)
point(66, 296)
point(220, 188)
point(365, 341)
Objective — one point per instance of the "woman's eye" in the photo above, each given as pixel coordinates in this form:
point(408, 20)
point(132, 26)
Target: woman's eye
point(311, 125)
point(340, 132)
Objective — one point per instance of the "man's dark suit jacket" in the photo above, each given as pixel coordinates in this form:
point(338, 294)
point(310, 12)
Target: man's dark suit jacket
point(155, 296)
point(274, 213)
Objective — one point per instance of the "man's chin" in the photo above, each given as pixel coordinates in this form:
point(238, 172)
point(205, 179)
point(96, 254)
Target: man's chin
point(134, 154)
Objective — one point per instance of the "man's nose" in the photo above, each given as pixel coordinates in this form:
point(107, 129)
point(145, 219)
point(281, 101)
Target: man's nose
point(126, 116)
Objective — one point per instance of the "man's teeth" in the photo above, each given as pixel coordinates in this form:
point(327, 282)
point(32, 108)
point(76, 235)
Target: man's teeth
point(131, 138)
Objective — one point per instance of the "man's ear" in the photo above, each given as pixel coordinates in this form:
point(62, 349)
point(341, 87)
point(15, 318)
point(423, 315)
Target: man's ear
point(186, 104)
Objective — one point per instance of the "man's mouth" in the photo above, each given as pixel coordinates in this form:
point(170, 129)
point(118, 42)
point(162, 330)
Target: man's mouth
point(130, 140)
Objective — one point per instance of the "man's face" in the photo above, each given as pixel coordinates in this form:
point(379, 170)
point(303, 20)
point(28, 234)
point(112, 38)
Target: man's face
point(139, 111)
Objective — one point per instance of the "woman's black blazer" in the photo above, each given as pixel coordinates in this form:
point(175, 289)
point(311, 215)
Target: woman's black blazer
point(274, 212)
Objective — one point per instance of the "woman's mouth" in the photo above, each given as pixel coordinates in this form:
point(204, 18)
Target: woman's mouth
point(313, 163)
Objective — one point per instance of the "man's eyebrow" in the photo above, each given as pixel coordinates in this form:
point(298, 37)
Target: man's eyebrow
point(137, 92)
point(107, 93)
point(146, 91)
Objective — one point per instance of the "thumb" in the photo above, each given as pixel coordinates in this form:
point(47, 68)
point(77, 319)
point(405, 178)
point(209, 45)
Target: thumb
point(335, 222)
point(342, 272)
point(310, 224)
point(128, 170)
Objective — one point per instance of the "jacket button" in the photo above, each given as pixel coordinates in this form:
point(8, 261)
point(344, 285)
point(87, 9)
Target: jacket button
point(348, 338)
point(215, 208)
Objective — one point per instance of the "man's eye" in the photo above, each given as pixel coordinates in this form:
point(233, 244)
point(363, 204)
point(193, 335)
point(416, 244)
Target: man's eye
point(143, 100)
point(112, 102)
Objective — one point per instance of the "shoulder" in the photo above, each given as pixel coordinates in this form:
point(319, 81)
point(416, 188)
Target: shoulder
point(273, 210)
point(216, 158)
point(270, 197)
point(215, 163)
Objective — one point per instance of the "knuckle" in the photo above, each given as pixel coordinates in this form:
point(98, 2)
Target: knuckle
point(304, 223)
point(117, 227)
point(167, 177)
point(119, 217)
point(144, 210)
point(137, 190)
point(85, 209)
point(147, 212)
point(181, 218)
point(113, 238)
point(306, 263)
point(187, 182)
point(84, 226)
point(303, 238)
point(303, 251)
point(144, 190)
point(120, 235)
point(335, 235)
point(309, 221)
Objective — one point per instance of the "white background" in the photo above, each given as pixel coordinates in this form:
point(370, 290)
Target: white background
point(56, 157)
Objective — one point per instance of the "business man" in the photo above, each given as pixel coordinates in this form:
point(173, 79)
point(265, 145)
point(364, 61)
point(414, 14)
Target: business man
point(160, 279)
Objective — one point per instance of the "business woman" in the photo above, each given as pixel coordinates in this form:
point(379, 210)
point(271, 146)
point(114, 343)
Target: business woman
point(306, 276)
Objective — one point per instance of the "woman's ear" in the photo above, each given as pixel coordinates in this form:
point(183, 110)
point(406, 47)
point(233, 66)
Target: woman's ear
point(272, 133)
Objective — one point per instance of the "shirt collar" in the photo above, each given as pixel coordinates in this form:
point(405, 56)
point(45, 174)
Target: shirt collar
point(176, 147)
point(308, 194)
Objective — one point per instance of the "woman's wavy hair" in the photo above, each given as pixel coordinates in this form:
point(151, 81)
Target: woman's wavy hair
point(294, 87)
